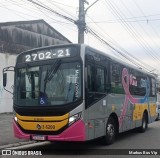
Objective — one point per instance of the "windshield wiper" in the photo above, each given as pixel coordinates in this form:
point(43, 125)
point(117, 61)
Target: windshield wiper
point(52, 71)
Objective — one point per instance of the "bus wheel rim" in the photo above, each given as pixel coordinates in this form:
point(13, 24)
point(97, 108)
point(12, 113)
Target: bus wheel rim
point(110, 130)
point(144, 123)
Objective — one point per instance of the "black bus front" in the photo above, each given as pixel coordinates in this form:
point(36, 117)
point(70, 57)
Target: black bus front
point(48, 88)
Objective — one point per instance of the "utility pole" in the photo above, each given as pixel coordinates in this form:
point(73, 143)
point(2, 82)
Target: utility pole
point(81, 22)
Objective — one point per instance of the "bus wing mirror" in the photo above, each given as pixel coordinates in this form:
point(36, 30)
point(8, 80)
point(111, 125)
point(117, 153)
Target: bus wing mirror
point(4, 79)
point(11, 68)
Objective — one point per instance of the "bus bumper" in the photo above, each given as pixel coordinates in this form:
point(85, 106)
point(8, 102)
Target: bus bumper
point(75, 132)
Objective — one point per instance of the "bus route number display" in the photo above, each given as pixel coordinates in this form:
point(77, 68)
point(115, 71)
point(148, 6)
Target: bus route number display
point(47, 54)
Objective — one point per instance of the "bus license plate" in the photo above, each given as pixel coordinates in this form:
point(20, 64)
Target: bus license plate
point(38, 137)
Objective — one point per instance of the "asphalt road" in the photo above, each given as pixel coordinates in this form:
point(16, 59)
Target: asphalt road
point(129, 141)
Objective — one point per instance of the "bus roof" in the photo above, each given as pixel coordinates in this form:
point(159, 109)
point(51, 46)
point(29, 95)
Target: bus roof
point(120, 61)
point(94, 50)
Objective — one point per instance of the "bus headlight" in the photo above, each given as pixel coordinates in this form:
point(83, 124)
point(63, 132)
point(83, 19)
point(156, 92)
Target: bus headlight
point(74, 118)
point(14, 116)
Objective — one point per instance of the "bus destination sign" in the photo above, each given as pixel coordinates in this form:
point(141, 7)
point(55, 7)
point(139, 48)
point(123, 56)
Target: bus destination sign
point(45, 54)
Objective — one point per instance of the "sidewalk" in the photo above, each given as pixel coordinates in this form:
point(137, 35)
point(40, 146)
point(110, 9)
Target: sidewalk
point(6, 130)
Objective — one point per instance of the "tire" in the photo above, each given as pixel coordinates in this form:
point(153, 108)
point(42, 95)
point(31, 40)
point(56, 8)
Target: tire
point(110, 136)
point(157, 117)
point(144, 126)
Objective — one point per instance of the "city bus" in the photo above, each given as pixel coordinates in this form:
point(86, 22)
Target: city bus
point(76, 93)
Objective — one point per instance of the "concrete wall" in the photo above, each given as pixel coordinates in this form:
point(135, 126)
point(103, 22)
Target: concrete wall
point(6, 99)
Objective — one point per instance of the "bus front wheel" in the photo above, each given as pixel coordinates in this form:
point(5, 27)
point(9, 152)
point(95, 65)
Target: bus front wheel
point(110, 136)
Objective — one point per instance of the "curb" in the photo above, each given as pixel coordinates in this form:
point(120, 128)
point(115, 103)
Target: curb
point(6, 113)
point(16, 144)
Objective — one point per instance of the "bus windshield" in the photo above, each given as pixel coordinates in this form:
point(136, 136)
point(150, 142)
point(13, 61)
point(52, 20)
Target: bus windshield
point(55, 84)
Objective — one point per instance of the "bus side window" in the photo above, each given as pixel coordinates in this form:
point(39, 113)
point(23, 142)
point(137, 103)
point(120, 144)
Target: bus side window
point(96, 83)
point(137, 83)
point(100, 79)
point(90, 77)
point(116, 78)
point(153, 87)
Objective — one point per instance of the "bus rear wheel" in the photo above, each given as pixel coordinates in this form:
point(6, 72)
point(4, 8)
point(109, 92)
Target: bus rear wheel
point(144, 125)
point(110, 136)
point(157, 117)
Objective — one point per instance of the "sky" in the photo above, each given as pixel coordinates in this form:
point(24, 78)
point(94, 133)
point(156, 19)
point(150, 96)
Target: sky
point(131, 27)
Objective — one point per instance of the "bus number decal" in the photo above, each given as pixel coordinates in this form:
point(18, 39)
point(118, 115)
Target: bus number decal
point(48, 55)
point(28, 58)
point(67, 52)
point(41, 56)
point(48, 126)
point(60, 53)
point(34, 56)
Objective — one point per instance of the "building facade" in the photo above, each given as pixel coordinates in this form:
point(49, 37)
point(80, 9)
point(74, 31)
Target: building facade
point(16, 37)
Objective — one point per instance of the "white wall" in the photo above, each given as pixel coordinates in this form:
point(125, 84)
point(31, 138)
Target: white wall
point(6, 99)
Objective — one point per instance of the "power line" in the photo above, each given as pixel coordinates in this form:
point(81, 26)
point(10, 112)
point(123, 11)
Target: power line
point(19, 13)
point(127, 21)
point(79, 22)
point(61, 4)
point(155, 32)
point(62, 9)
point(118, 46)
point(143, 29)
point(45, 8)
point(113, 48)
point(41, 5)
point(48, 15)
point(51, 10)
point(130, 29)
